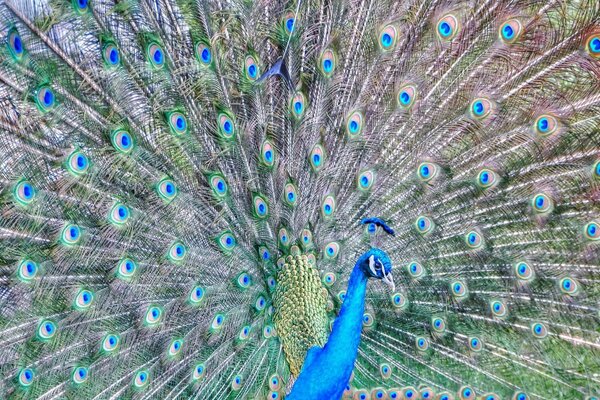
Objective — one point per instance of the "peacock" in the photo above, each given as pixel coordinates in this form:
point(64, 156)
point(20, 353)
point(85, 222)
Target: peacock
point(304, 199)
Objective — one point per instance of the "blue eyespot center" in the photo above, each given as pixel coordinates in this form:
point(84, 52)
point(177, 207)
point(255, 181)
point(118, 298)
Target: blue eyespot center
point(252, 71)
point(445, 29)
point(82, 3)
point(17, 44)
point(227, 126)
point(386, 40)
point(478, 108)
point(595, 45)
point(425, 171)
point(113, 56)
point(180, 123)
point(291, 196)
point(48, 97)
point(269, 155)
point(353, 126)
point(364, 181)
point(169, 188)
point(316, 159)
point(220, 186)
point(404, 98)
point(205, 55)
point(327, 65)
point(298, 107)
point(592, 229)
point(74, 232)
point(125, 140)
point(508, 31)
point(290, 24)
point(158, 56)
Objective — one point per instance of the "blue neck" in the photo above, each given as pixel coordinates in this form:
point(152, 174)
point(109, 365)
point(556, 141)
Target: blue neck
point(327, 371)
point(347, 327)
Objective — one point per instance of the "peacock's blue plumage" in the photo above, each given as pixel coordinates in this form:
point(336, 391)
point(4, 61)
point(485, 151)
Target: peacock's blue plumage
point(204, 199)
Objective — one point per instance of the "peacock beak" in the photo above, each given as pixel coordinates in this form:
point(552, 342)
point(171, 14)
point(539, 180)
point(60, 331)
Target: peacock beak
point(388, 278)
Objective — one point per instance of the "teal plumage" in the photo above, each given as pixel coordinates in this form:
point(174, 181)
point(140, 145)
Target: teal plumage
point(182, 185)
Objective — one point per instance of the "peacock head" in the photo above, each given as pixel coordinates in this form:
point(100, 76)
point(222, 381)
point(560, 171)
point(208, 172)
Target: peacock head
point(375, 263)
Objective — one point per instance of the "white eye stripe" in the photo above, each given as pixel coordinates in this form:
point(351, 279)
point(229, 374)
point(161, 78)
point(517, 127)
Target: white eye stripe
point(372, 265)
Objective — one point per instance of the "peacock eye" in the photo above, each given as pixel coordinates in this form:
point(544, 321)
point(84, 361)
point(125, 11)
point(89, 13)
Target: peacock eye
point(486, 178)
point(24, 193)
point(438, 324)
point(110, 342)
point(568, 286)
point(475, 344)
point(71, 234)
point(122, 141)
point(45, 98)
point(268, 332)
point(332, 250)
point(260, 304)
point(155, 55)
point(474, 239)
point(427, 171)
point(546, 125)
point(328, 206)
point(226, 241)
point(126, 269)
point(274, 382)
point(83, 300)
point(498, 308)
point(422, 345)
point(15, 44)
point(81, 6)
point(226, 126)
point(236, 383)
point(46, 330)
point(217, 322)
point(26, 376)
point(27, 270)
point(198, 372)
point(329, 279)
point(298, 105)
point(317, 157)
point(218, 185)
point(592, 231)
point(459, 290)
point(244, 332)
point(290, 194)
point(593, 46)
point(541, 203)
point(119, 214)
point(385, 370)
point(260, 206)
point(307, 238)
point(467, 393)
point(153, 315)
point(511, 30)
point(196, 295)
point(80, 375)
point(328, 63)
point(388, 37)
point(365, 180)
point(424, 225)
point(354, 124)
point(447, 27)
point(415, 270)
point(110, 54)
point(539, 330)
point(523, 271)
point(480, 108)
point(243, 280)
point(166, 189)
point(520, 396)
point(289, 21)
point(406, 96)
point(203, 54)
point(267, 153)
point(251, 68)
point(175, 347)
point(77, 163)
point(177, 123)
point(177, 252)
point(141, 379)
